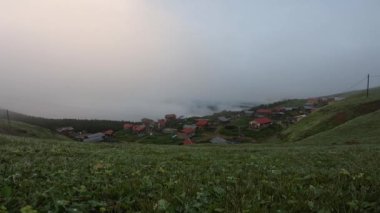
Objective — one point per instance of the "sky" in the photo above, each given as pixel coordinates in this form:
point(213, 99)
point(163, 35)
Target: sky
point(129, 59)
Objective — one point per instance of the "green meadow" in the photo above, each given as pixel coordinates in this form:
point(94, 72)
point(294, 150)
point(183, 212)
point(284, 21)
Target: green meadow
point(65, 176)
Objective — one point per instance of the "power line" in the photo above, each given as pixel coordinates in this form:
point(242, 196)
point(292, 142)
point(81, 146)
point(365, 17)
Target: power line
point(356, 84)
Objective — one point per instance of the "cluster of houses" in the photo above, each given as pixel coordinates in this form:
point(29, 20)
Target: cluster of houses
point(183, 130)
point(167, 125)
point(86, 137)
point(148, 125)
point(265, 117)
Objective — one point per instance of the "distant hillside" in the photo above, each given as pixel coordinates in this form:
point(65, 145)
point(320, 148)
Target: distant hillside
point(53, 124)
point(363, 129)
point(27, 130)
point(333, 115)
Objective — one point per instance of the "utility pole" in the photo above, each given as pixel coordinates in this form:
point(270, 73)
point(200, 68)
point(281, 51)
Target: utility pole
point(367, 85)
point(9, 120)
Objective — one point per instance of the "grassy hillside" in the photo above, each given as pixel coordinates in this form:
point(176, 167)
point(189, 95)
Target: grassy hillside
point(334, 115)
point(53, 124)
point(26, 130)
point(363, 129)
point(63, 176)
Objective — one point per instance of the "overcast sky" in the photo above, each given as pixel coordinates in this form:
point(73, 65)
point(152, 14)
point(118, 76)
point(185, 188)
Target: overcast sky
point(127, 59)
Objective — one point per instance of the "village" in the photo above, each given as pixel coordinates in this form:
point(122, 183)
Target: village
point(228, 127)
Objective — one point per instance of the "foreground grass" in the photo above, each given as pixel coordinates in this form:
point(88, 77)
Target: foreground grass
point(68, 176)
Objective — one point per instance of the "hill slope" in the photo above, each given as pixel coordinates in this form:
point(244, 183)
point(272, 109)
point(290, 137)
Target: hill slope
point(26, 130)
point(333, 115)
point(52, 124)
point(363, 129)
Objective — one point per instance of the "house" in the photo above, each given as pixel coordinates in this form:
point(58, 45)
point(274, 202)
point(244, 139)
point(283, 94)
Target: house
point(97, 137)
point(263, 112)
point(192, 126)
point(127, 126)
point(223, 119)
point(278, 115)
point(80, 136)
point(260, 122)
point(187, 141)
point(312, 101)
point(139, 128)
point(65, 129)
point(278, 109)
point(171, 117)
point(161, 123)
point(169, 131)
point(147, 122)
point(218, 140)
point(288, 109)
point(249, 112)
point(186, 133)
point(298, 118)
point(108, 133)
point(202, 123)
point(309, 108)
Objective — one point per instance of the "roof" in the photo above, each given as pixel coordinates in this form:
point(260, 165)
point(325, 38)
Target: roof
point(223, 119)
point(263, 120)
point(188, 130)
point(138, 128)
point(192, 126)
point(278, 109)
point(264, 111)
point(169, 130)
point(202, 122)
point(248, 112)
point(108, 132)
point(95, 137)
point(218, 140)
point(64, 129)
point(128, 126)
point(162, 121)
point(187, 141)
point(99, 134)
point(309, 107)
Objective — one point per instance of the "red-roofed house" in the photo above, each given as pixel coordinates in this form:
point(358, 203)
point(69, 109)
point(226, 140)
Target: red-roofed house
point(127, 126)
point(187, 141)
point(161, 123)
point(139, 128)
point(147, 122)
point(186, 133)
point(260, 122)
point(202, 123)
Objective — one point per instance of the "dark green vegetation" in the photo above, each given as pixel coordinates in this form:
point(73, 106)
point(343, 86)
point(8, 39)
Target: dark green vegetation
point(64, 176)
